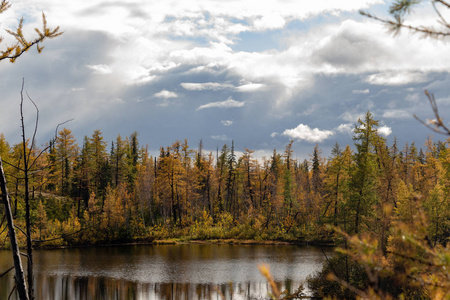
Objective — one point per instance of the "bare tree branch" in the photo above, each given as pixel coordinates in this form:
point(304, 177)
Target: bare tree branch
point(21, 230)
point(397, 25)
point(14, 166)
point(33, 140)
point(12, 291)
point(56, 130)
point(436, 125)
point(7, 271)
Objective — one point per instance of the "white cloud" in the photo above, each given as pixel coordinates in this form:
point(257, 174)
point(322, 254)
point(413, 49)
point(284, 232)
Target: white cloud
point(100, 69)
point(304, 132)
point(366, 91)
point(269, 21)
point(396, 78)
point(345, 128)
point(214, 86)
point(250, 87)
point(165, 94)
point(146, 49)
point(384, 130)
point(274, 134)
point(229, 103)
point(227, 122)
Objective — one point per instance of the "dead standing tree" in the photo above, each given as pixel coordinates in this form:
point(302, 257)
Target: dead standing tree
point(12, 52)
point(20, 278)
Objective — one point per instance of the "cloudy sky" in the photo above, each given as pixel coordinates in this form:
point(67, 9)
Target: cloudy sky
point(259, 72)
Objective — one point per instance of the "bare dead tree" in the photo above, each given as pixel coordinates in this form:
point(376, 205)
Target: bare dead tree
point(28, 165)
point(26, 158)
point(19, 275)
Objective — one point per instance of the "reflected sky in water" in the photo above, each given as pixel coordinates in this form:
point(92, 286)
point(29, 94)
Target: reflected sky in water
point(188, 271)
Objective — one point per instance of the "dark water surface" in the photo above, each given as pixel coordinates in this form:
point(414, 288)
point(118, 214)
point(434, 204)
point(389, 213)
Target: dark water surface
point(191, 271)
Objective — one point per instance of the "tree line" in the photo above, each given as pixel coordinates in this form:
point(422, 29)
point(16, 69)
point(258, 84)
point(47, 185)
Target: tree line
point(129, 194)
point(389, 201)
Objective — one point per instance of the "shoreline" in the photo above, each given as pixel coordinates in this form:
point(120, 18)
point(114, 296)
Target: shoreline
point(182, 241)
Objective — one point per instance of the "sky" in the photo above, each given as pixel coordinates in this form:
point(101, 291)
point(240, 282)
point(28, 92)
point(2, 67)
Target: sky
point(258, 72)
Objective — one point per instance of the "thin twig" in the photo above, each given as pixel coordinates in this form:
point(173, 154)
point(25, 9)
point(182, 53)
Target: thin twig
point(56, 131)
point(438, 125)
point(348, 286)
point(9, 164)
point(7, 271)
point(12, 290)
point(443, 21)
point(396, 26)
point(64, 235)
point(33, 140)
point(21, 230)
point(445, 3)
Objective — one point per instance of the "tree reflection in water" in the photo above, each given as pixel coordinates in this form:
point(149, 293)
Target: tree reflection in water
point(93, 288)
point(185, 271)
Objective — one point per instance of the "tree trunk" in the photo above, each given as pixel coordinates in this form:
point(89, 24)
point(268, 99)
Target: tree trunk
point(27, 202)
point(20, 278)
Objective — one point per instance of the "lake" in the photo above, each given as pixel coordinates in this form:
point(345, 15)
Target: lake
point(185, 271)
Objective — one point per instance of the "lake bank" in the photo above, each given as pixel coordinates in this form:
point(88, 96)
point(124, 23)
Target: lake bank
point(185, 240)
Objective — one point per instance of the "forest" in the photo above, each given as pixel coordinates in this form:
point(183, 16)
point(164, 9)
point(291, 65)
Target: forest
point(385, 206)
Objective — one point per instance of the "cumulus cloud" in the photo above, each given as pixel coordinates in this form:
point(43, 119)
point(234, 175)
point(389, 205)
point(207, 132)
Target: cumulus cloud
point(227, 122)
point(269, 21)
point(165, 94)
point(304, 132)
point(385, 130)
point(229, 103)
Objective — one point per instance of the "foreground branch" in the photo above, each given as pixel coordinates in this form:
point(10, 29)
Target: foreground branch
point(20, 277)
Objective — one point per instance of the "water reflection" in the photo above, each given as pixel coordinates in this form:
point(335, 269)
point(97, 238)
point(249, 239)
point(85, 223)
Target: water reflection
point(103, 288)
point(166, 271)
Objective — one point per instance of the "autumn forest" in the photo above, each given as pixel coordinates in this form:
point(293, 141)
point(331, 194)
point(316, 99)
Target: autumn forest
point(99, 193)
